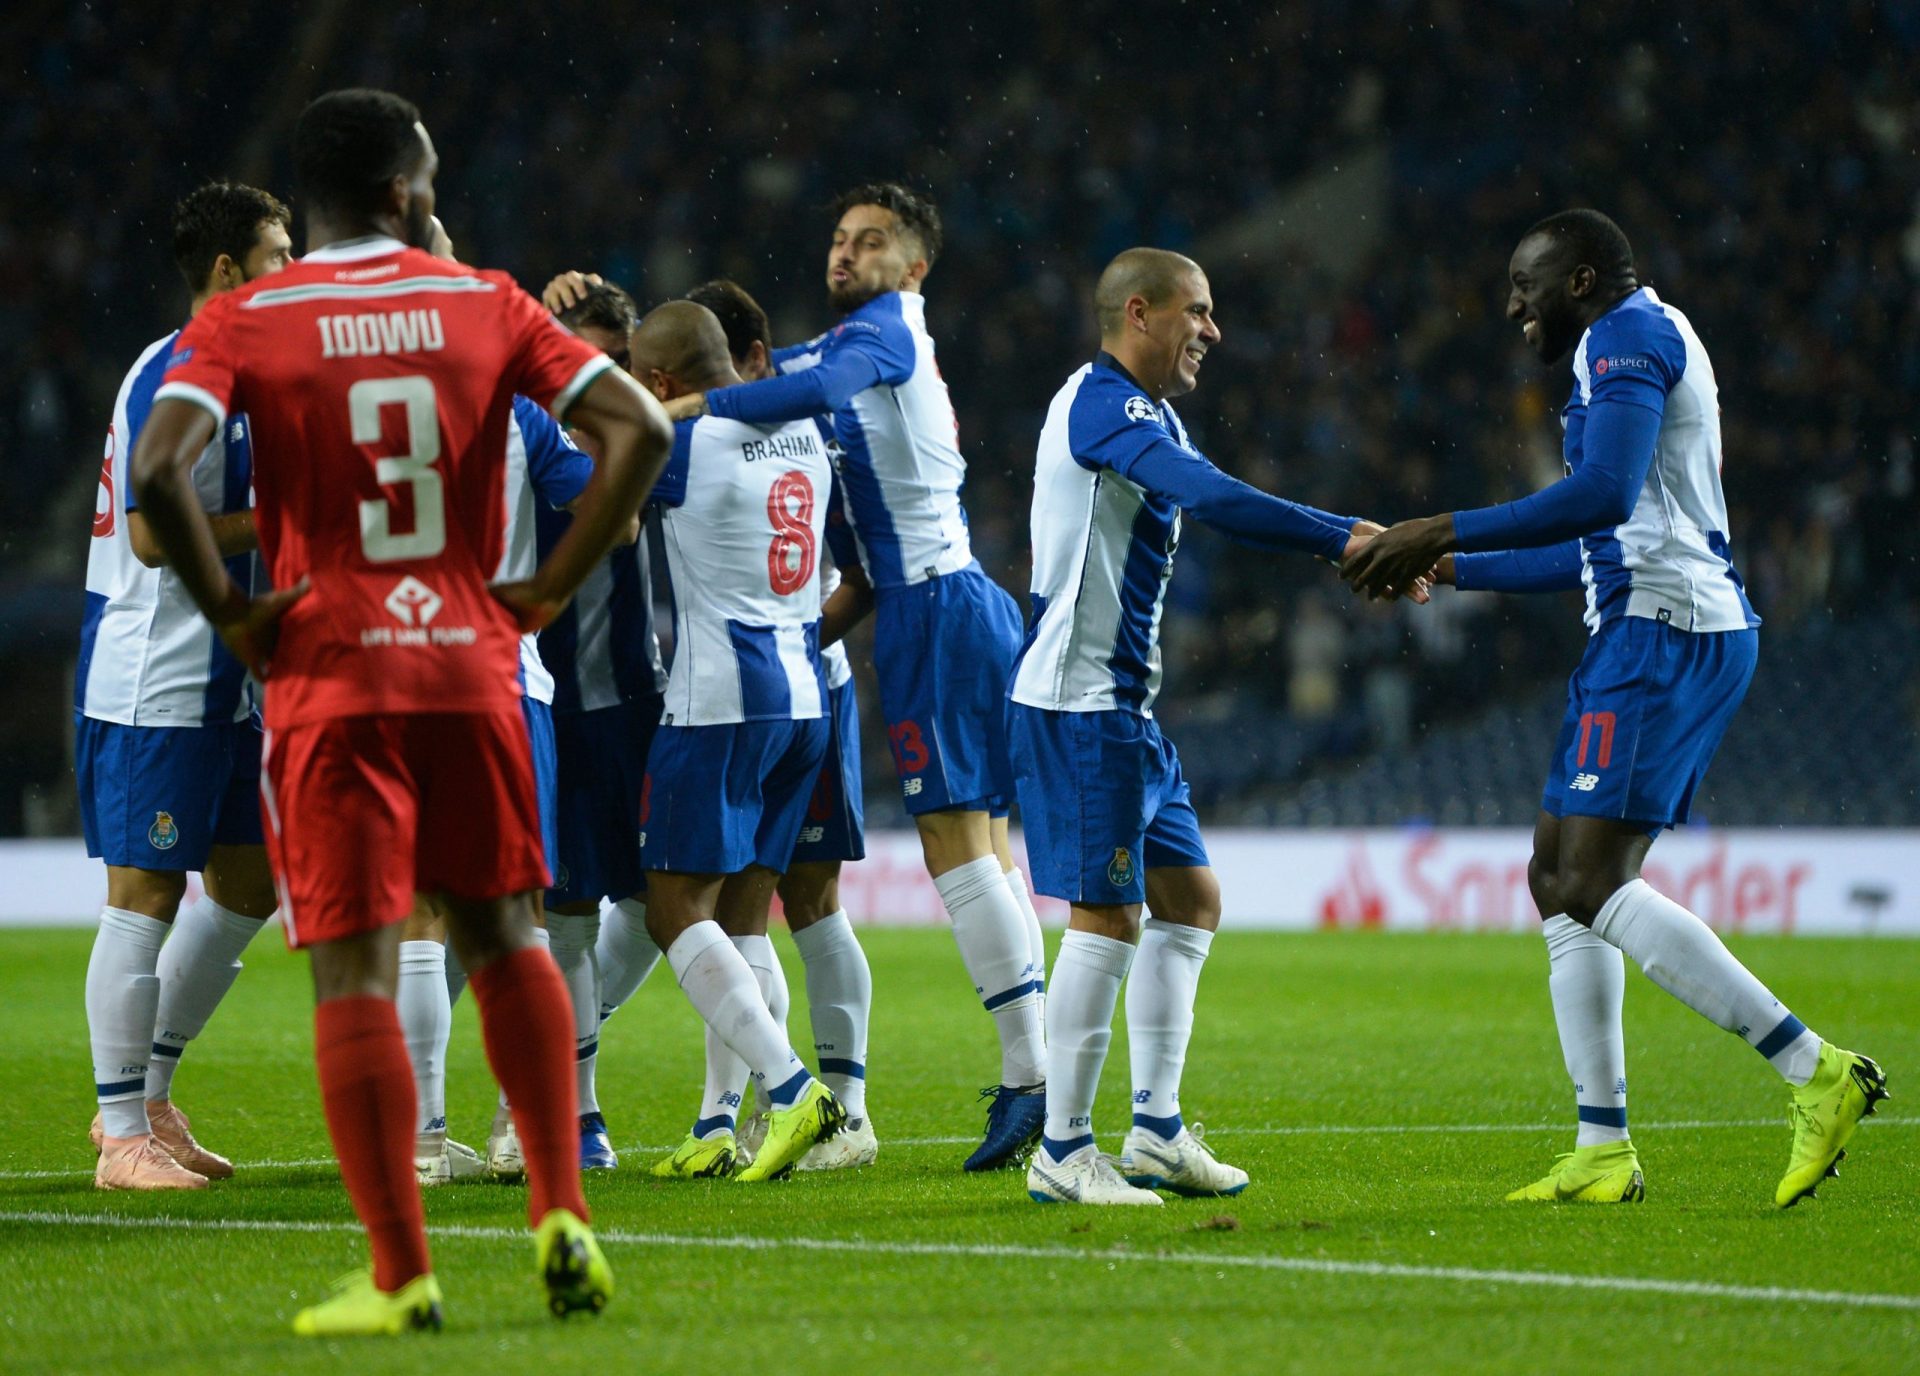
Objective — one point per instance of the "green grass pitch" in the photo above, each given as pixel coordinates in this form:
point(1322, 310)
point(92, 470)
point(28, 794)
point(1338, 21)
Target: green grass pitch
point(1383, 1090)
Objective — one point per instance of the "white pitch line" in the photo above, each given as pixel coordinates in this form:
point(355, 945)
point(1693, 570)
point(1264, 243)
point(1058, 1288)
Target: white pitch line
point(1324, 1130)
point(1378, 1270)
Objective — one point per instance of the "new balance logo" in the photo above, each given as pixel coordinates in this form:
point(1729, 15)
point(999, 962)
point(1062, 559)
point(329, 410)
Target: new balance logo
point(912, 787)
point(1585, 783)
point(1141, 1096)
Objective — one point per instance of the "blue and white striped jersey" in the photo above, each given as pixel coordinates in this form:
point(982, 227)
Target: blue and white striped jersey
point(545, 470)
point(900, 463)
point(1672, 554)
point(147, 656)
point(603, 649)
point(1115, 471)
point(1642, 440)
point(833, 658)
point(743, 517)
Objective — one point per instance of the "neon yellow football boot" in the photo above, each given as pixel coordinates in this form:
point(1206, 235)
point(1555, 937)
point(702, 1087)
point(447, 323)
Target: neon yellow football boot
point(572, 1266)
point(1606, 1173)
point(356, 1309)
point(791, 1132)
point(1826, 1109)
point(700, 1158)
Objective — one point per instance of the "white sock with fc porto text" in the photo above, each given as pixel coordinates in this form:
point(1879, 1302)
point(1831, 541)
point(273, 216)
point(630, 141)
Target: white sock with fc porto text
point(123, 998)
point(1587, 980)
point(1086, 986)
point(1160, 996)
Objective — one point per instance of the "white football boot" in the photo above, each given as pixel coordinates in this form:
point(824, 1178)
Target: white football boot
point(1183, 1165)
point(853, 1146)
point(435, 1163)
point(504, 1161)
point(1086, 1177)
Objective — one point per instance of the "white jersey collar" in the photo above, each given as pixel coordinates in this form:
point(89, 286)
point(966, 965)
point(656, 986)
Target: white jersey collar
point(353, 250)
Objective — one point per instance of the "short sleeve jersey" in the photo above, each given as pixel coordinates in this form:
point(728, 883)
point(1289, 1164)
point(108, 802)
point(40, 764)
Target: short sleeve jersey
point(379, 380)
point(545, 471)
point(147, 656)
point(743, 516)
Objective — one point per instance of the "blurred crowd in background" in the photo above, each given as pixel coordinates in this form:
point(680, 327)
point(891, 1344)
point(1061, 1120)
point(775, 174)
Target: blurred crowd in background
point(1353, 177)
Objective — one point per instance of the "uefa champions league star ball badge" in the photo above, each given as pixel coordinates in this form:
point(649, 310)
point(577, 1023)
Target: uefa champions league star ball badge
point(163, 834)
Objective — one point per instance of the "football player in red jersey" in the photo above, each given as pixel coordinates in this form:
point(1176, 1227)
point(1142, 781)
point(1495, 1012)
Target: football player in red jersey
point(378, 379)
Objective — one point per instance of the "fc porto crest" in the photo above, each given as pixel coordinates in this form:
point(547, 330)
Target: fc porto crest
point(1120, 868)
point(163, 834)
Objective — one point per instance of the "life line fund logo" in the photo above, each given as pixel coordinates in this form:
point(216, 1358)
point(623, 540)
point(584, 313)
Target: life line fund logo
point(414, 605)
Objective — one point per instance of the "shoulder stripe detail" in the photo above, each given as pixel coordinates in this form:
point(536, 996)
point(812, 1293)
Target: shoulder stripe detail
point(199, 396)
point(363, 291)
point(581, 380)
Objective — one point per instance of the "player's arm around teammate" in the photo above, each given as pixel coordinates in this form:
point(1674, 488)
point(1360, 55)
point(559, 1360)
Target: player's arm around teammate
point(732, 767)
point(839, 982)
point(945, 634)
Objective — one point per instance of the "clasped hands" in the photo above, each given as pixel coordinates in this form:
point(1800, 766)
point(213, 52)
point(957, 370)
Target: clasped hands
point(1405, 560)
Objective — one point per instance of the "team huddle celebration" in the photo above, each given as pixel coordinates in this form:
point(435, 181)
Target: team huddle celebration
point(370, 644)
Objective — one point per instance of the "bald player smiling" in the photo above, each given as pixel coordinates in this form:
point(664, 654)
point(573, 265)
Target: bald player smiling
point(1109, 821)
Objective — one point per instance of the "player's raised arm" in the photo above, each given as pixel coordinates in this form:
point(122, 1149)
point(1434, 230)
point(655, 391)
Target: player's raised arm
point(170, 442)
point(866, 354)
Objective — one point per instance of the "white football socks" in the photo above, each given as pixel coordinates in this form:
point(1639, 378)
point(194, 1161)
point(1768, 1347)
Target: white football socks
point(726, 1075)
point(1086, 986)
point(426, 1021)
point(572, 938)
point(625, 952)
point(1160, 996)
point(759, 954)
point(1036, 939)
point(197, 967)
point(1587, 979)
point(839, 1002)
point(994, 947)
point(724, 990)
point(123, 998)
point(1680, 953)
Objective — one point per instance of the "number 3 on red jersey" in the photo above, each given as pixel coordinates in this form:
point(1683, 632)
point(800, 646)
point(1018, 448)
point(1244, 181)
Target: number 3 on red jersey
point(414, 468)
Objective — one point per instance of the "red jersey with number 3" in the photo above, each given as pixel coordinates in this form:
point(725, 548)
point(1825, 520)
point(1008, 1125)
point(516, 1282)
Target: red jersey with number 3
point(378, 380)
point(743, 512)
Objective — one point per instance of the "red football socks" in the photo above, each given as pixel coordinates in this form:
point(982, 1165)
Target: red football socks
point(528, 1026)
point(366, 1086)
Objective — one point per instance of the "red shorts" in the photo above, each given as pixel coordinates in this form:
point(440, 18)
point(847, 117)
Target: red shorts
point(363, 811)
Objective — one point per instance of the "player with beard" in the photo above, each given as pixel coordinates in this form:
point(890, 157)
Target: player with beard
point(1640, 521)
point(945, 634)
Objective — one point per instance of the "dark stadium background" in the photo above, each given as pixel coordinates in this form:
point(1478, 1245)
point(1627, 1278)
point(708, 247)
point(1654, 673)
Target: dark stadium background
point(1352, 176)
